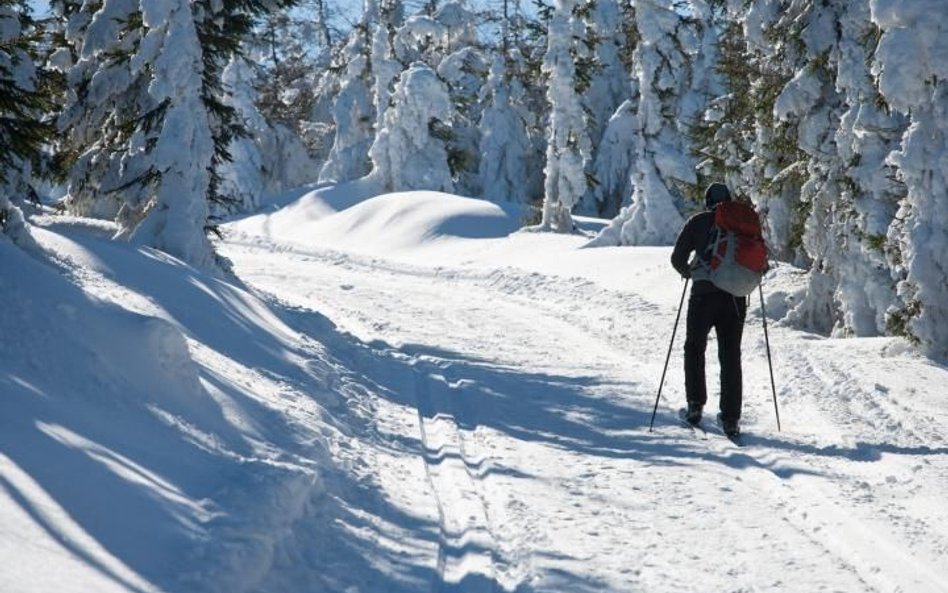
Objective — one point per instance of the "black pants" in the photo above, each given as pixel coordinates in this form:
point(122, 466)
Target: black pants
point(725, 313)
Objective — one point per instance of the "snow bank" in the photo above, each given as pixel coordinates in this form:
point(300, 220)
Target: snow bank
point(140, 449)
point(390, 222)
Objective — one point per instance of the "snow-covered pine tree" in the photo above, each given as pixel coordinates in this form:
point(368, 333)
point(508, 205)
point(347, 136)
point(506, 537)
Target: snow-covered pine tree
point(524, 40)
point(353, 112)
point(444, 36)
point(270, 157)
point(722, 137)
point(851, 196)
point(101, 101)
point(662, 166)
point(504, 141)
point(292, 51)
point(912, 72)
point(568, 145)
point(869, 131)
point(409, 152)
point(383, 17)
point(614, 159)
point(776, 171)
point(23, 103)
point(613, 150)
point(607, 87)
point(242, 177)
point(811, 106)
point(148, 121)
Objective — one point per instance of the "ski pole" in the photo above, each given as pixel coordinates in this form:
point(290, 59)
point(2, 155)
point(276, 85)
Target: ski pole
point(668, 356)
point(773, 387)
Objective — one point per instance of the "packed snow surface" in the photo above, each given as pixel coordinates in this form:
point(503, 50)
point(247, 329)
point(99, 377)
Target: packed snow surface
point(402, 393)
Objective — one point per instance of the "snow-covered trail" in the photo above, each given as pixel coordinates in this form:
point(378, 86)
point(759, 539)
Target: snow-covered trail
point(511, 415)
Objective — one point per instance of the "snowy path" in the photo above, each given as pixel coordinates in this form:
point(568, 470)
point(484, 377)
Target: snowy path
point(520, 404)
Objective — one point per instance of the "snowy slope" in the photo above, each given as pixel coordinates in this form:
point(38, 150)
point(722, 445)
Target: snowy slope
point(407, 395)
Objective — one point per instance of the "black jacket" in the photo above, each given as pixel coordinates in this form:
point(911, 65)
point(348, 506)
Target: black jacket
point(694, 237)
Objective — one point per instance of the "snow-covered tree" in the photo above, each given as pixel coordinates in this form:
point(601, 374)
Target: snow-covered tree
point(568, 144)
point(869, 197)
point(103, 97)
point(810, 104)
point(147, 120)
point(409, 151)
point(353, 114)
point(22, 105)
point(601, 55)
point(383, 18)
point(776, 171)
point(849, 194)
point(614, 159)
point(722, 136)
point(662, 166)
point(445, 38)
point(242, 178)
point(504, 142)
point(913, 77)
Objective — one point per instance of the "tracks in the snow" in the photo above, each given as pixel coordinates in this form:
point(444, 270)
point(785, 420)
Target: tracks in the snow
point(467, 554)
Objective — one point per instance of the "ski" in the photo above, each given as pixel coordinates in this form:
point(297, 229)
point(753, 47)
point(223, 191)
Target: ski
point(734, 438)
point(697, 429)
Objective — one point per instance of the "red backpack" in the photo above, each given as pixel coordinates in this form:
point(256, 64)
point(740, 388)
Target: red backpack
point(737, 254)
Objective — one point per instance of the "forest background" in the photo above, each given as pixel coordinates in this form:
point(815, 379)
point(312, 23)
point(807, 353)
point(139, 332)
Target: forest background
point(164, 116)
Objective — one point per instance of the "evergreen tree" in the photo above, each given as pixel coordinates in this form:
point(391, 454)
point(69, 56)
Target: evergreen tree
point(722, 137)
point(147, 119)
point(294, 52)
point(353, 113)
point(919, 232)
point(604, 86)
point(23, 102)
point(870, 193)
point(444, 37)
point(811, 106)
point(568, 145)
point(504, 141)
point(775, 173)
point(662, 172)
point(409, 152)
point(614, 159)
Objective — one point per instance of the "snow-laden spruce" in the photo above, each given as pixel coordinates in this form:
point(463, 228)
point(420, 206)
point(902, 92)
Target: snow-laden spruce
point(912, 70)
point(181, 150)
point(407, 153)
point(354, 116)
point(385, 70)
point(21, 132)
point(242, 178)
point(607, 87)
point(774, 170)
point(850, 192)
point(811, 105)
point(614, 159)
point(504, 142)
point(870, 193)
point(568, 144)
point(661, 160)
point(102, 100)
point(447, 42)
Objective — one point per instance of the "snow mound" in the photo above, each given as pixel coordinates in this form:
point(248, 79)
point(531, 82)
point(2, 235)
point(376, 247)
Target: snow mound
point(142, 446)
point(396, 221)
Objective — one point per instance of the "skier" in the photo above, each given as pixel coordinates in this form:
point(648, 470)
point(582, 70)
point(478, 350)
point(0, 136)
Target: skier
point(709, 306)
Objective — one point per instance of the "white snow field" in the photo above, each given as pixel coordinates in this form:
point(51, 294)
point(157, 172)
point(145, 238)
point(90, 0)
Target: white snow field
point(404, 394)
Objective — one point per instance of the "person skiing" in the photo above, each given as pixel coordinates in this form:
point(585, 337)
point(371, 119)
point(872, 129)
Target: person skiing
point(710, 306)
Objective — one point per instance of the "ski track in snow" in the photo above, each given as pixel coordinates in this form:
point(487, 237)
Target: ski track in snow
point(531, 396)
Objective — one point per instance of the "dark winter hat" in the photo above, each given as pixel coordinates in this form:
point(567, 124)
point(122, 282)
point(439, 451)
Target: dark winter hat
point(715, 194)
